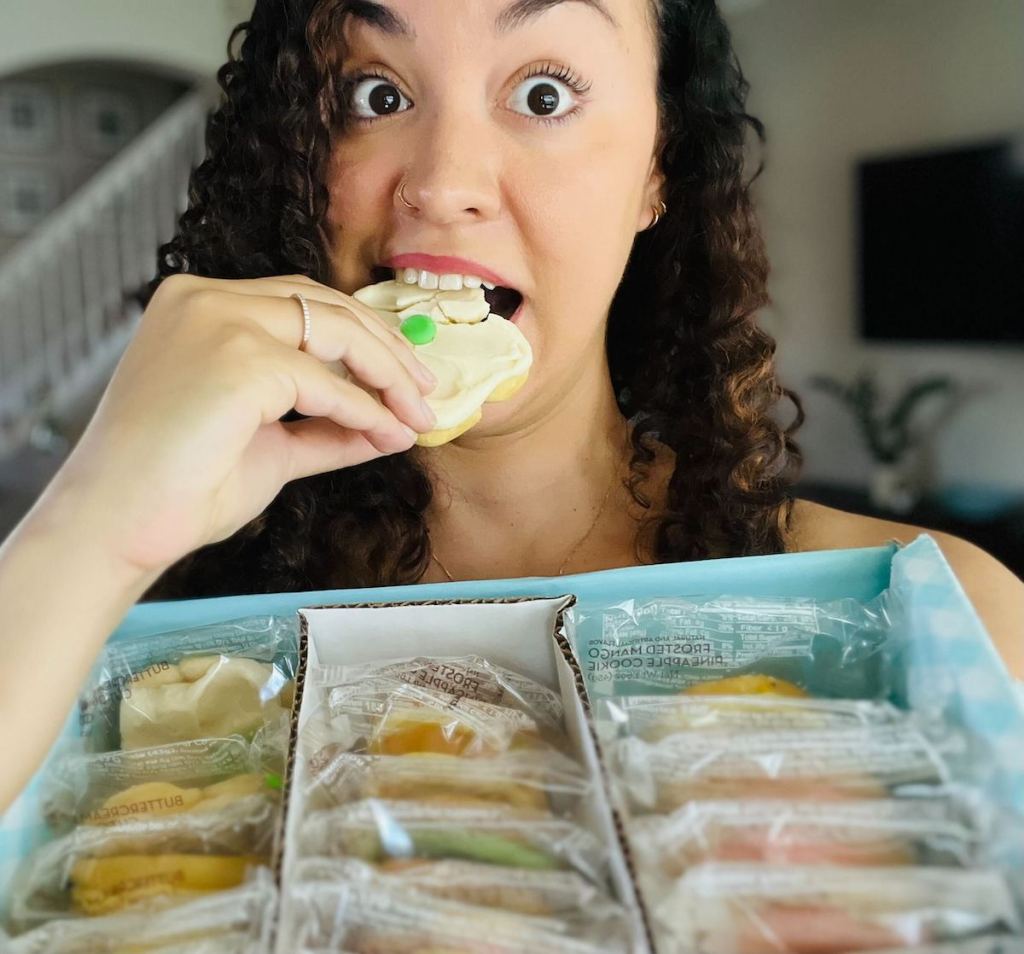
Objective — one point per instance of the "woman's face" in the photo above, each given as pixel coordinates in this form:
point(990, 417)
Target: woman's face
point(505, 163)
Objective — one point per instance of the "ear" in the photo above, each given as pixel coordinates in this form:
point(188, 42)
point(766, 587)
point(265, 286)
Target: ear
point(653, 194)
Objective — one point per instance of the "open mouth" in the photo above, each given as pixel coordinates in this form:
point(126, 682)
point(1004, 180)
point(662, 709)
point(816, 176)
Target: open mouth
point(502, 301)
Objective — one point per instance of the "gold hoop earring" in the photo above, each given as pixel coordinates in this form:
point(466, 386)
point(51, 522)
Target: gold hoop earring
point(658, 213)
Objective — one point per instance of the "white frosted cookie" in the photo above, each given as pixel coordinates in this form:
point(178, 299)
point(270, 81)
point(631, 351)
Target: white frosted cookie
point(476, 355)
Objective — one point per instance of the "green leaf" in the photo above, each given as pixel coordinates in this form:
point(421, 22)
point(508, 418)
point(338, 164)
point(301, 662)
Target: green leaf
point(901, 413)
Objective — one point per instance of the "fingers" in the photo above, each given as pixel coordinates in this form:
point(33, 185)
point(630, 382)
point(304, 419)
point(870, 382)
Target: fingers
point(317, 445)
point(396, 342)
point(315, 391)
point(312, 291)
point(339, 336)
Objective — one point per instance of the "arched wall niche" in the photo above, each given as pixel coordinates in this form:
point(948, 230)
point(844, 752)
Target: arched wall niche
point(60, 122)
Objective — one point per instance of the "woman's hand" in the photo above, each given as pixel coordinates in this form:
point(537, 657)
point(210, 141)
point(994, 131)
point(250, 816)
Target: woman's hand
point(186, 446)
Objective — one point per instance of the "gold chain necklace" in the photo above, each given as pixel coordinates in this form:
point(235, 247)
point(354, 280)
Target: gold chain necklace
point(572, 552)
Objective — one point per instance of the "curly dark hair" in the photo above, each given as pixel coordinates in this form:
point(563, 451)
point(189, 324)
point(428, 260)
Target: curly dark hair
point(689, 364)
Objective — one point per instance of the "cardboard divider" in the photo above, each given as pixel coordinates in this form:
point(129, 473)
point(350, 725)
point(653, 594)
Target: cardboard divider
point(525, 635)
point(570, 661)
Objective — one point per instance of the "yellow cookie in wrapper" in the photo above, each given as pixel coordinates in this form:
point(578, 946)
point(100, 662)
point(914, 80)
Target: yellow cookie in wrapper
point(751, 684)
point(152, 799)
point(448, 782)
point(231, 789)
point(104, 885)
point(450, 732)
point(421, 731)
point(146, 800)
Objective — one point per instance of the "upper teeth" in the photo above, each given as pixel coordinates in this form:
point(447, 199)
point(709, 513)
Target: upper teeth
point(446, 282)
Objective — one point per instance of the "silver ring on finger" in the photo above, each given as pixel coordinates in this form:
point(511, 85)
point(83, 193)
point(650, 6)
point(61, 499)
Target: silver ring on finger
point(307, 320)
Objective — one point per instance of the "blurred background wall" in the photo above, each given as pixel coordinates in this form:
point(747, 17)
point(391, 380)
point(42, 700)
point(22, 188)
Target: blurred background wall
point(839, 80)
point(102, 107)
point(114, 96)
point(187, 37)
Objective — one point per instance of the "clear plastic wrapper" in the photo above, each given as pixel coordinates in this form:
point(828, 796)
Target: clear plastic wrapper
point(442, 786)
point(532, 779)
point(539, 893)
point(378, 831)
point(383, 715)
point(234, 943)
point(358, 919)
point(155, 861)
point(819, 764)
point(1000, 828)
point(765, 909)
point(154, 799)
point(991, 944)
point(841, 649)
point(872, 832)
point(213, 681)
point(238, 921)
point(464, 677)
point(203, 696)
point(652, 718)
point(571, 904)
point(111, 787)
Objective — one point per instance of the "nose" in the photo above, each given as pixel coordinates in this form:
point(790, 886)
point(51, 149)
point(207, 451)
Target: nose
point(450, 177)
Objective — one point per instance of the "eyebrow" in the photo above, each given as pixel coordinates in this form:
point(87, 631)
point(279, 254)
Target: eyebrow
point(514, 16)
point(520, 11)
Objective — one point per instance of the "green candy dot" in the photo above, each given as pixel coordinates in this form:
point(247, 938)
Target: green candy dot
point(419, 329)
point(273, 780)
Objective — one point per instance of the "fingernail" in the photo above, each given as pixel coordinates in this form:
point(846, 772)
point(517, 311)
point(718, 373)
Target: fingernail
point(427, 375)
point(428, 413)
point(410, 433)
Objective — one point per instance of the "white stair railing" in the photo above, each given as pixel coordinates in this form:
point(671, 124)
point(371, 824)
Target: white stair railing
point(65, 316)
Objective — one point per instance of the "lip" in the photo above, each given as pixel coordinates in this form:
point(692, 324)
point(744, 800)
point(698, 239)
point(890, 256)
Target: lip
point(446, 264)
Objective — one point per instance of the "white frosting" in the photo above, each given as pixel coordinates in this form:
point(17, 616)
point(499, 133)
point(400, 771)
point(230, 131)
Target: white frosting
point(470, 356)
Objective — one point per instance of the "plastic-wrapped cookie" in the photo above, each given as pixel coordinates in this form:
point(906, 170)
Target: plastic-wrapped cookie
point(476, 355)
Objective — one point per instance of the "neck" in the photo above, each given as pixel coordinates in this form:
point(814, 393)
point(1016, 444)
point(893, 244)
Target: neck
point(514, 504)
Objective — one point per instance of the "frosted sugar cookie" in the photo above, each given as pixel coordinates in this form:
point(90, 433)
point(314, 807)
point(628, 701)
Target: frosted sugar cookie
point(477, 356)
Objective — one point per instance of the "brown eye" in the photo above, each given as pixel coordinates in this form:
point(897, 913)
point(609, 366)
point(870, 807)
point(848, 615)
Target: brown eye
point(543, 99)
point(374, 97)
point(543, 96)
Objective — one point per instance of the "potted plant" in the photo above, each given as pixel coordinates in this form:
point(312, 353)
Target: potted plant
point(889, 433)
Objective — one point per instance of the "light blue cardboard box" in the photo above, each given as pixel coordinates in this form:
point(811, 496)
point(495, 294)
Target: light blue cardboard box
point(950, 657)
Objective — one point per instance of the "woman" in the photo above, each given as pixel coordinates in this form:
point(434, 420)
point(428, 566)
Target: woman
point(586, 153)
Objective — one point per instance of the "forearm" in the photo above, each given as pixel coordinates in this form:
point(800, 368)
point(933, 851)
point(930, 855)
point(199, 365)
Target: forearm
point(62, 593)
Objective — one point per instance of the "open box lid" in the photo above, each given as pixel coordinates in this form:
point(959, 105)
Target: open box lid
point(952, 656)
point(859, 574)
point(489, 629)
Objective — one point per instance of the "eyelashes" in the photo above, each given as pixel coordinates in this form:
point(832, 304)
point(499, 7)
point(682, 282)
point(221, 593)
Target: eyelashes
point(562, 74)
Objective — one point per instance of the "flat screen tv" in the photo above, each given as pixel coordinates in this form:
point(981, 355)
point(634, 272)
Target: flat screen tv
point(941, 245)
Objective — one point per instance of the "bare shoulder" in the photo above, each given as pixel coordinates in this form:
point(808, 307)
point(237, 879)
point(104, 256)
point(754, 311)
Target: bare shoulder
point(997, 594)
point(817, 527)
